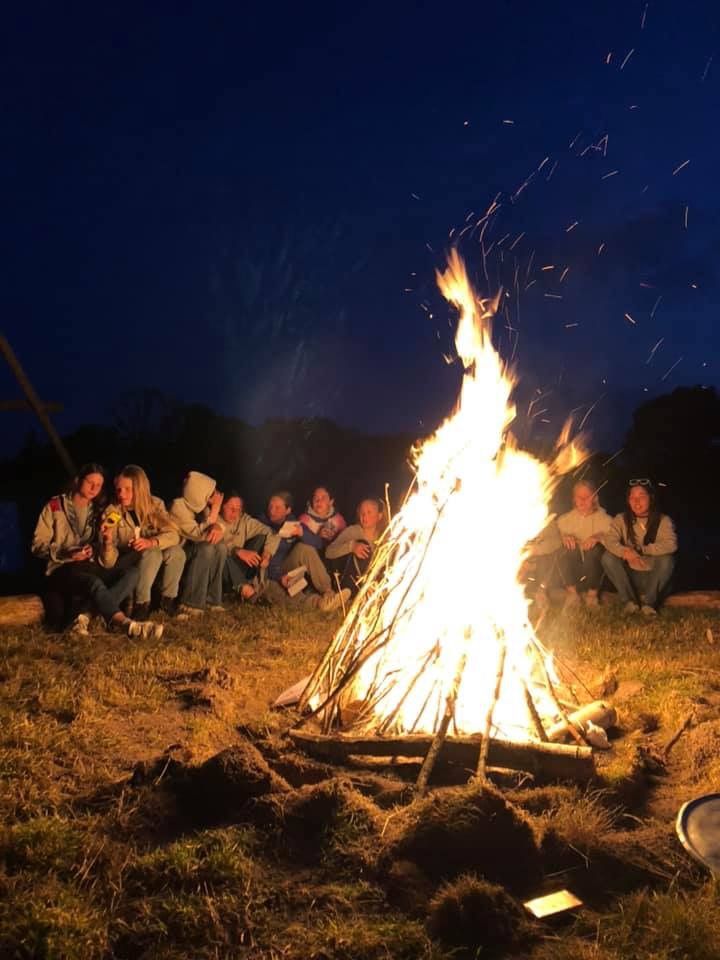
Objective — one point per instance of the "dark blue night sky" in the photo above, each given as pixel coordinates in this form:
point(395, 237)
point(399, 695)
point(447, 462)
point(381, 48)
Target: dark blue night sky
point(244, 206)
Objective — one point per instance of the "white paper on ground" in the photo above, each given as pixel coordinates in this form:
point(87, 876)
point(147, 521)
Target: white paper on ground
point(292, 695)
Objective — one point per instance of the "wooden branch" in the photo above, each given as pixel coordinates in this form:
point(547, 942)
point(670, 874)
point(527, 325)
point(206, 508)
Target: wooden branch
point(36, 404)
point(485, 742)
point(24, 610)
point(10, 406)
point(546, 761)
point(442, 729)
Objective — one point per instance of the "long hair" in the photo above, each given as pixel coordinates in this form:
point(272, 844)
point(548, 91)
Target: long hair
point(653, 518)
point(73, 487)
point(150, 516)
point(382, 517)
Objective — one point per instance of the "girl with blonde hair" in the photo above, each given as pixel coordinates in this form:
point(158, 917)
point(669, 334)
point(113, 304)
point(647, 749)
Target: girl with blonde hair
point(138, 521)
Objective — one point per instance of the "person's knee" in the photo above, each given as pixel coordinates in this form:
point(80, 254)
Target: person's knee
point(152, 557)
point(610, 562)
point(665, 566)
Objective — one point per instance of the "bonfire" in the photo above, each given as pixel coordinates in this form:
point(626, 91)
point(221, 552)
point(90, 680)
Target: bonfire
point(439, 640)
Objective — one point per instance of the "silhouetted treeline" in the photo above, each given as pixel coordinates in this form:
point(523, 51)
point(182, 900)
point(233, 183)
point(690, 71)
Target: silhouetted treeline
point(674, 439)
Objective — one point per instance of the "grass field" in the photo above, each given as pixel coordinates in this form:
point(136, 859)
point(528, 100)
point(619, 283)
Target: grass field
point(119, 839)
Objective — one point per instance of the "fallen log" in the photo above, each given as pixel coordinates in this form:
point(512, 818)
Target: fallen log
point(597, 712)
point(706, 599)
point(24, 610)
point(546, 761)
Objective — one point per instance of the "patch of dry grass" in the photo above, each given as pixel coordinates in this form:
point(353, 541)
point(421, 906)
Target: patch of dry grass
point(94, 864)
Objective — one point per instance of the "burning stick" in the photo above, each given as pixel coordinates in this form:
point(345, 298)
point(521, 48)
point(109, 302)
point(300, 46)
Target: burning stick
point(439, 738)
point(482, 758)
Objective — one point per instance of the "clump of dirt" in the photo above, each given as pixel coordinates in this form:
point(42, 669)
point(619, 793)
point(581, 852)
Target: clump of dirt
point(408, 888)
point(299, 770)
point(698, 755)
point(468, 828)
point(222, 787)
point(477, 917)
point(329, 820)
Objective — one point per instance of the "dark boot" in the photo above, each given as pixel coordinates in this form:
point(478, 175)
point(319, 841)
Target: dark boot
point(168, 605)
point(141, 611)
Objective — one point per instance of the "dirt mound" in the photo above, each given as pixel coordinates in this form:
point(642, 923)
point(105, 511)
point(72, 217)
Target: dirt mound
point(468, 828)
point(321, 821)
point(477, 917)
point(221, 788)
point(699, 755)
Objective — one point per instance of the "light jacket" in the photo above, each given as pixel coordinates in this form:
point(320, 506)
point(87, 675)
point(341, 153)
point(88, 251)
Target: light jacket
point(313, 524)
point(190, 511)
point(165, 531)
point(595, 524)
point(58, 529)
point(546, 542)
point(665, 541)
point(236, 535)
point(343, 544)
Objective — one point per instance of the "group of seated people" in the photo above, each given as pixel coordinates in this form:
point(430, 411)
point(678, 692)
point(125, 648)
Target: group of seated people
point(635, 551)
point(107, 558)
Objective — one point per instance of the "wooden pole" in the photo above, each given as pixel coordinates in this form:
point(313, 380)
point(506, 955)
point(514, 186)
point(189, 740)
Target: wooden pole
point(439, 738)
point(37, 405)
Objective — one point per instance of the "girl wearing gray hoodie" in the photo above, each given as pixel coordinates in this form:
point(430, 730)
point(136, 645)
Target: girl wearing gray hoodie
point(196, 515)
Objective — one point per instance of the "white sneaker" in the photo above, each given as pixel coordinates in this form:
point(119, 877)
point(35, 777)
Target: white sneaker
point(145, 629)
point(647, 611)
point(185, 612)
point(631, 607)
point(331, 601)
point(80, 625)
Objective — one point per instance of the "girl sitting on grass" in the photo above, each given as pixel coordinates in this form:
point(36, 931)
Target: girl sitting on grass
point(64, 536)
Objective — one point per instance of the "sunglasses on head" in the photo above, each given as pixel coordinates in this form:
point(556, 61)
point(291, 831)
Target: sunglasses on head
point(640, 482)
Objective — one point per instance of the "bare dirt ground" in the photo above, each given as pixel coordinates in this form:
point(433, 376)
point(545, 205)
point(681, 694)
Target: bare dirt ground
point(152, 807)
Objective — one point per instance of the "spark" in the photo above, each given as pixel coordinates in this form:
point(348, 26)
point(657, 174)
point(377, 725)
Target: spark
point(630, 53)
point(652, 352)
point(510, 122)
point(429, 247)
point(529, 266)
point(530, 284)
point(414, 196)
point(572, 226)
point(582, 422)
point(568, 325)
point(601, 248)
point(644, 14)
point(685, 218)
point(553, 296)
point(552, 171)
point(574, 140)
point(668, 372)
point(610, 459)
point(694, 286)
point(517, 239)
point(633, 106)
point(608, 58)
point(466, 123)
point(705, 71)
point(628, 317)
point(564, 274)
point(549, 266)
point(503, 239)
point(646, 285)
point(657, 304)
point(543, 164)
point(613, 173)
point(679, 168)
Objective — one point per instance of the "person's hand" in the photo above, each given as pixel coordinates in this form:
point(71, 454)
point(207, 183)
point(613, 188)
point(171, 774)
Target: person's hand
point(214, 534)
point(265, 562)
point(629, 555)
point(284, 580)
point(298, 530)
point(107, 533)
point(142, 543)
point(639, 563)
point(215, 502)
point(81, 554)
point(569, 542)
point(327, 533)
point(250, 557)
point(361, 550)
point(589, 543)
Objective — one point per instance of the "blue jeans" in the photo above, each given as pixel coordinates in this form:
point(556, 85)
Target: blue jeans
point(172, 561)
point(204, 573)
point(104, 590)
point(635, 586)
point(237, 573)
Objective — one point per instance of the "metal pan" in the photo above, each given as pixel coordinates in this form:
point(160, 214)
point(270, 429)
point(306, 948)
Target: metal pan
point(698, 827)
